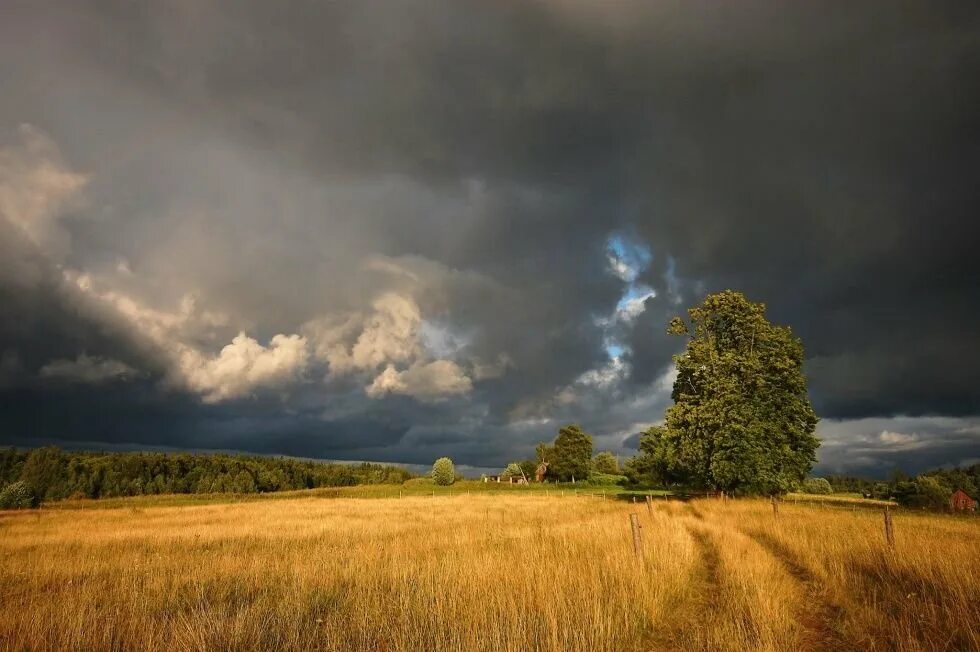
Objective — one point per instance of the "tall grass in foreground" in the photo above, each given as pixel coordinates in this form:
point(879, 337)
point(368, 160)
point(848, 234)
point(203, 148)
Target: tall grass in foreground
point(481, 572)
point(922, 595)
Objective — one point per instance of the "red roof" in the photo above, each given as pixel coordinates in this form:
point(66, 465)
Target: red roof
point(960, 491)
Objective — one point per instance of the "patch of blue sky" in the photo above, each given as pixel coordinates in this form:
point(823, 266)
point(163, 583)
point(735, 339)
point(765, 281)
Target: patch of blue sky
point(635, 293)
point(614, 350)
point(629, 258)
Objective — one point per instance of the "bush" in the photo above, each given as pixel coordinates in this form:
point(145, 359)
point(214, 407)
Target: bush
point(881, 491)
point(605, 463)
point(443, 472)
point(607, 479)
point(817, 486)
point(16, 495)
point(924, 492)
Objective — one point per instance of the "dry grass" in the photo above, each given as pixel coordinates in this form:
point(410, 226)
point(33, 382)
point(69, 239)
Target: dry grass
point(481, 572)
point(846, 500)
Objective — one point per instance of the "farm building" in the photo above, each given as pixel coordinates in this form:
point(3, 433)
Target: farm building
point(961, 501)
point(509, 479)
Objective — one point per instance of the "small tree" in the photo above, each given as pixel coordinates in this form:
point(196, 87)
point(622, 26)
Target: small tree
point(544, 453)
point(529, 467)
point(605, 462)
point(16, 495)
point(443, 472)
point(513, 470)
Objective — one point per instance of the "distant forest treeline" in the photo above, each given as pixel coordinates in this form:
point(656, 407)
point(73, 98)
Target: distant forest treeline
point(930, 489)
point(53, 474)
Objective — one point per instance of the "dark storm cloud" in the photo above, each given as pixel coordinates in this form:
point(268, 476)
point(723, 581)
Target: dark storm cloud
point(246, 168)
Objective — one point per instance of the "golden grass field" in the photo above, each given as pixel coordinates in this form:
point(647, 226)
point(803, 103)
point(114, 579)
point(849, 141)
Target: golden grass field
point(484, 572)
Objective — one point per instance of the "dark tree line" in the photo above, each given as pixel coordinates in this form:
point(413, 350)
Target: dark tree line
point(54, 474)
point(569, 458)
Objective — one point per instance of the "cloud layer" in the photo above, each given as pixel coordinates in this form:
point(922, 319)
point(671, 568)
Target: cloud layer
point(381, 231)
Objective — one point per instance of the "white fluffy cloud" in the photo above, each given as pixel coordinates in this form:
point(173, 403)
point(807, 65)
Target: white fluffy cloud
point(35, 188)
point(243, 366)
point(239, 368)
point(429, 381)
point(390, 334)
point(389, 337)
point(159, 326)
point(383, 346)
point(898, 439)
point(87, 369)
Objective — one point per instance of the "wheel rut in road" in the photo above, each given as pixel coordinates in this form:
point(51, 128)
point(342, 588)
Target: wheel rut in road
point(820, 617)
point(685, 629)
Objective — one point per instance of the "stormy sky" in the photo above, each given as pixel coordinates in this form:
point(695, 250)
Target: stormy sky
point(398, 230)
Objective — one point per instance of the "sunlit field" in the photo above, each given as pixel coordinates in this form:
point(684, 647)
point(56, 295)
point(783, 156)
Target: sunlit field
point(515, 571)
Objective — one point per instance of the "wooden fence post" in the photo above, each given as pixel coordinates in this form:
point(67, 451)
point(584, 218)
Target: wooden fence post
point(650, 505)
point(889, 529)
point(775, 505)
point(635, 525)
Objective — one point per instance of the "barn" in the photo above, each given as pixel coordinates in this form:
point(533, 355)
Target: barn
point(961, 501)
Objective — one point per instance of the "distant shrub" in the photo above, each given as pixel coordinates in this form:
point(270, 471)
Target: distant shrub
point(607, 479)
point(418, 482)
point(513, 470)
point(924, 492)
point(16, 495)
point(817, 486)
point(443, 472)
point(881, 491)
point(605, 463)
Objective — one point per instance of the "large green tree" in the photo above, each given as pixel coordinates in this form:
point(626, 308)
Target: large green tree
point(572, 453)
point(741, 419)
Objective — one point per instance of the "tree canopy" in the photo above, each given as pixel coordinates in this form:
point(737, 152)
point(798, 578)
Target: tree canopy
point(444, 472)
point(514, 470)
point(741, 418)
point(571, 453)
point(605, 462)
point(657, 459)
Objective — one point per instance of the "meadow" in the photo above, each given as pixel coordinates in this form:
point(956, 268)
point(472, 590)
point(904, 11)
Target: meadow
point(482, 570)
